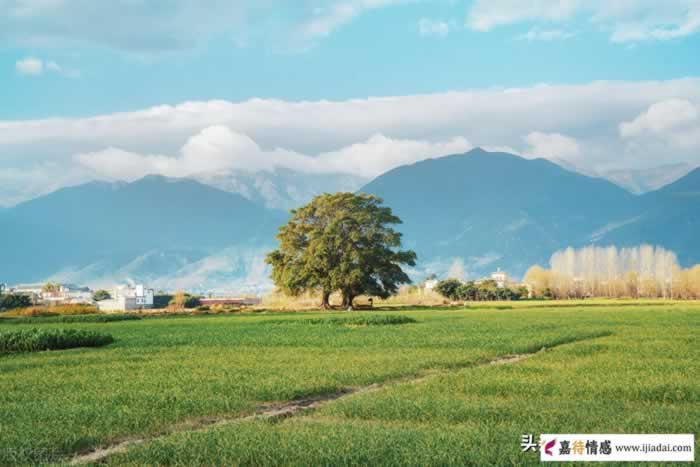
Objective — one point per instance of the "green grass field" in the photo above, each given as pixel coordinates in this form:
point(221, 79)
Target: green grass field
point(612, 367)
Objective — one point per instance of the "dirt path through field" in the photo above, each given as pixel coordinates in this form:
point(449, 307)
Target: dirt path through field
point(278, 411)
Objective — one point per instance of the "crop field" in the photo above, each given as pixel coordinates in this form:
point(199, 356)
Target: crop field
point(442, 386)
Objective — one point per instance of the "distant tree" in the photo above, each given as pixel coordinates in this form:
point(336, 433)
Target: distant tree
point(449, 288)
point(487, 290)
point(523, 292)
point(192, 301)
point(467, 292)
point(340, 242)
point(12, 301)
point(184, 300)
point(538, 279)
point(178, 301)
point(100, 295)
point(487, 293)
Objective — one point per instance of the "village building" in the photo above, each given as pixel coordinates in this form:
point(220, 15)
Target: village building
point(128, 298)
point(501, 278)
point(67, 294)
point(61, 294)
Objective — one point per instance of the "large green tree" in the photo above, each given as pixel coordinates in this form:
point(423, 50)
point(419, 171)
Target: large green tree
point(341, 242)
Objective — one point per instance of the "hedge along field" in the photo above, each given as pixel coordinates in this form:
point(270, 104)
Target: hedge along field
point(161, 372)
point(96, 318)
point(36, 340)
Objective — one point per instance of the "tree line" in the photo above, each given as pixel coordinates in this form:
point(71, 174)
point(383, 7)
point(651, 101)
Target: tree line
point(638, 272)
point(486, 290)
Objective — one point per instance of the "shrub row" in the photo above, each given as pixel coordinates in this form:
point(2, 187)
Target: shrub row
point(54, 310)
point(36, 340)
point(73, 319)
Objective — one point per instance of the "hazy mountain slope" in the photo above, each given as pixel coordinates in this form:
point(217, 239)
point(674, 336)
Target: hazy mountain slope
point(496, 209)
point(646, 180)
point(637, 181)
point(669, 217)
point(149, 227)
point(282, 188)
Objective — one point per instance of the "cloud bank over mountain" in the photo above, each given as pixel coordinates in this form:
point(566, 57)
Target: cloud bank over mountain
point(597, 126)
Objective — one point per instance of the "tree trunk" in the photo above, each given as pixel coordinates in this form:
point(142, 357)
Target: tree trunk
point(347, 301)
point(325, 300)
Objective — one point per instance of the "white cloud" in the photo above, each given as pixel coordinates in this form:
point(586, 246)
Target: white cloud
point(670, 126)
point(626, 21)
point(553, 145)
point(135, 26)
point(218, 148)
point(379, 154)
point(431, 27)
point(536, 34)
point(485, 15)
point(661, 116)
point(328, 18)
point(360, 136)
point(29, 66)
point(146, 28)
point(35, 66)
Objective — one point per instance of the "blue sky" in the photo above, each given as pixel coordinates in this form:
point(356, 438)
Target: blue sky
point(379, 52)
point(97, 89)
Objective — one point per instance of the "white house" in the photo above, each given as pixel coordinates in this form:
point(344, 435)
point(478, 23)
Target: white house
point(501, 278)
point(68, 294)
point(126, 298)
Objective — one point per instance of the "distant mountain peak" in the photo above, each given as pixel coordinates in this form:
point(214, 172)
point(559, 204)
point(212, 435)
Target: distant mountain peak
point(688, 183)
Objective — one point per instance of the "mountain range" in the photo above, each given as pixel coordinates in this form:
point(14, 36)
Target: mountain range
point(478, 211)
point(494, 209)
point(160, 230)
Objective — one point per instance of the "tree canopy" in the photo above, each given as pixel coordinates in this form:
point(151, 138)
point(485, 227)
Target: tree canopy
point(486, 290)
point(100, 295)
point(341, 242)
point(11, 301)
